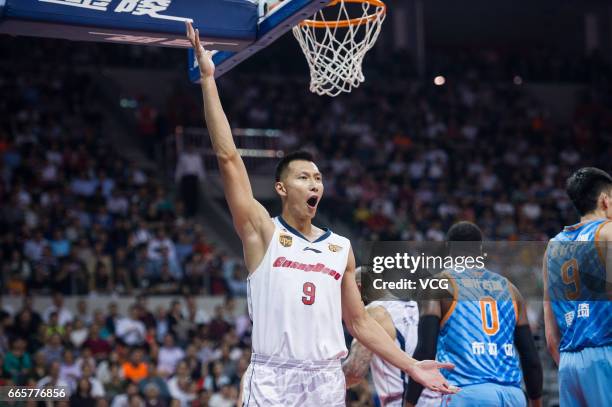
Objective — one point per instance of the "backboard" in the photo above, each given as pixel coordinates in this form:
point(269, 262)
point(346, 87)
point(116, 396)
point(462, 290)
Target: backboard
point(235, 29)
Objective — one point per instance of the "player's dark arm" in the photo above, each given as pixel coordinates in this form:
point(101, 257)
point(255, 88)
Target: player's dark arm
point(248, 215)
point(430, 314)
point(356, 366)
point(525, 345)
point(551, 330)
point(367, 331)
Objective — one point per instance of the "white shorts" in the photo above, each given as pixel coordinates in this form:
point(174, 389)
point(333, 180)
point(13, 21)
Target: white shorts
point(275, 382)
point(428, 399)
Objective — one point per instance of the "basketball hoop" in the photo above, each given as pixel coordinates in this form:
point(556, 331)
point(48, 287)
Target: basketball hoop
point(336, 39)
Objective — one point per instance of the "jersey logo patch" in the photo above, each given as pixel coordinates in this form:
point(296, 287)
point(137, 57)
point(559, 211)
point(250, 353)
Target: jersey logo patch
point(285, 240)
point(334, 247)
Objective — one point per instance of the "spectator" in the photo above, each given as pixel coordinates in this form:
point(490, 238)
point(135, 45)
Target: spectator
point(196, 315)
point(168, 357)
point(70, 371)
point(25, 324)
point(83, 312)
point(17, 362)
point(135, 369)
point(181, 387)
point(82, 395)
point(153, 397)
point(225, 398)
point(97, 389)
point(100, 348)
point(60, 246)
point(85, 357)
point(130, 330)
point(237, 282)
point(218, 326)
point(53, 349)
point(53, 379)
point(79, 333)
point(63, 314)
point(154, 378)
point(112, 319)
point(123, 399)
point(146, 316)
point(115, 384)
point(189, 174)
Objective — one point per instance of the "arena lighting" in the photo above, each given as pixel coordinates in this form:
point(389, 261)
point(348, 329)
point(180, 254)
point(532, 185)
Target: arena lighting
point(517, 80)
point(439, 80)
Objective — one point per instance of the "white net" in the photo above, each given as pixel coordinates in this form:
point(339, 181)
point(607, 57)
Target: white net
point(336, 39)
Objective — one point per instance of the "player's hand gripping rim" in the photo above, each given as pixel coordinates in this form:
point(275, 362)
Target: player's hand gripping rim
point(427, 372)
point(205, 62)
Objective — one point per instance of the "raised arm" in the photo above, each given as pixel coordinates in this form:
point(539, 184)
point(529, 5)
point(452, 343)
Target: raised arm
point(525, 345)
point(367, 331)
point(251, 220)
point(356, 366)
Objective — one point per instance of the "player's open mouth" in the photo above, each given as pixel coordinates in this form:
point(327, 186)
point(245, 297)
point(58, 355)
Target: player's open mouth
point(312, 201)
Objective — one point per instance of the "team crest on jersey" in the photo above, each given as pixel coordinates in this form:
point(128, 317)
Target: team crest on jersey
point(285, 240)
point(334, 247)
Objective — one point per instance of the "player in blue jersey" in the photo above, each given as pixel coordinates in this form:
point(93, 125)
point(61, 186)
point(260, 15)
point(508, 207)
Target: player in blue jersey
point(577, 273)
point(478, 327)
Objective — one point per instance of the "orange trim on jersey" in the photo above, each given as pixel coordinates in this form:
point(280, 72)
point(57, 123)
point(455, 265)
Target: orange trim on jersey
point(574, 227)
point(454, 304)
point(514, 302)
point(597, 246)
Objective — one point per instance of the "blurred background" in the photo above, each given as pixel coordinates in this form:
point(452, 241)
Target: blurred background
point(114, 233)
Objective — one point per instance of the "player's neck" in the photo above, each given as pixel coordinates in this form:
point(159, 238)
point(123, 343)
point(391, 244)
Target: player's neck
point(302, 225)
point(596, 214)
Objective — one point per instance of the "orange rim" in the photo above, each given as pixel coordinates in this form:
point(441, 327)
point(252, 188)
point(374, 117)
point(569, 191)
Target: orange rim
point(352, 21)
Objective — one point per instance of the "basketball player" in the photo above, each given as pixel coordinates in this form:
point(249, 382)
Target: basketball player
point(400, 320)
point(478, 330)
point(301, 282)
point(577, 309)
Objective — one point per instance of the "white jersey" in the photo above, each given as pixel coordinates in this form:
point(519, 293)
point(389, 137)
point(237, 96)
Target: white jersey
point(389, 381)
point(294, 296)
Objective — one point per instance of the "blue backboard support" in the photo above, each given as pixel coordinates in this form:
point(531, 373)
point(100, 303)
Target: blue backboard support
point(270, 27)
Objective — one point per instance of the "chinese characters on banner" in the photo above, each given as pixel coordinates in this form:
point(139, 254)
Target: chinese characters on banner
point(151, 8)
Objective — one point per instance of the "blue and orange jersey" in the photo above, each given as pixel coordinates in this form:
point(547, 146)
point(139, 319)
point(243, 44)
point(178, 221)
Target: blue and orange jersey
point(577, 287)
point(477, 332)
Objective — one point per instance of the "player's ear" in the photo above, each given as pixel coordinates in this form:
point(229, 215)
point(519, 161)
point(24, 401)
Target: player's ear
point(280, 188)
point(605, 200)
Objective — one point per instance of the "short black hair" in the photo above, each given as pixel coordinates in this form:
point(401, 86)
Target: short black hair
point(464, 239)
point(584, 186)
point(286, 160)
point(464, 231)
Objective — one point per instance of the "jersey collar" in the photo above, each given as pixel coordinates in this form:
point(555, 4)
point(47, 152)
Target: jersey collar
point(325, 235)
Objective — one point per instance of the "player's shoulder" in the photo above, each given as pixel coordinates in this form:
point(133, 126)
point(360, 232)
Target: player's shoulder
point(337, 243)
point(335, 236)
point(604, 231)
point(378, 311)
point(381, 314)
